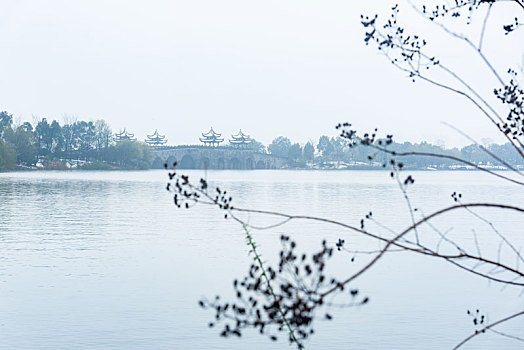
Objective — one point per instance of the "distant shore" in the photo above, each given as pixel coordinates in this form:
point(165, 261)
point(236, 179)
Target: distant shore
point(108, 167)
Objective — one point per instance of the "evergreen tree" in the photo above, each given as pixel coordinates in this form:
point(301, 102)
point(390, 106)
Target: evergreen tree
point(280, 147)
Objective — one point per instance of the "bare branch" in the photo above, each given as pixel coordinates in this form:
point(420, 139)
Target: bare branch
point(438, 155)
point(483, 330)
point(484, 23)
point(484, 149)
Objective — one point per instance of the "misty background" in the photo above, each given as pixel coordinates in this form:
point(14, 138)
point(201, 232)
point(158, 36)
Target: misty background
point(292, 68)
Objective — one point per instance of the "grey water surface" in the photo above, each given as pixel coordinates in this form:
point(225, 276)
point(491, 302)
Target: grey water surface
point(104, 260)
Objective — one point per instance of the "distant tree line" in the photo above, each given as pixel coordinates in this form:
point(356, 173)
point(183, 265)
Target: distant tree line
point(51, 143)
point(330, 150)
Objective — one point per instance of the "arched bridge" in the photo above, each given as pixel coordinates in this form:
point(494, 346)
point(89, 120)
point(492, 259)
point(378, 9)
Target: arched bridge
point(202, 157)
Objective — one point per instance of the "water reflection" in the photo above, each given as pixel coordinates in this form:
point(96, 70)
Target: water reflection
point(96, 260)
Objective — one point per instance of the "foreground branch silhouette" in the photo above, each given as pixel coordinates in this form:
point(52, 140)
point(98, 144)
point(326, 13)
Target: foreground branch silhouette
point(290, 296)
point(302, 295)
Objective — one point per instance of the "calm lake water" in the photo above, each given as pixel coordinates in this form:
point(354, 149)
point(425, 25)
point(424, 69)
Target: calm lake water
point(103, 260)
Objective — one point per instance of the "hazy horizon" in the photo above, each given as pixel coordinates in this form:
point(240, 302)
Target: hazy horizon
point(291, 69)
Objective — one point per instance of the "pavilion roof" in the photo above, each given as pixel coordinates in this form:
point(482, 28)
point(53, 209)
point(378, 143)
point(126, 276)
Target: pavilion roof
point(240, 138)
point(211, 132)
point(156, 135)
point(240, 135)
point(125, 135)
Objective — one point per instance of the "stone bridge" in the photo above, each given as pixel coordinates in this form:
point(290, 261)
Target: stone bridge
point(203, 157)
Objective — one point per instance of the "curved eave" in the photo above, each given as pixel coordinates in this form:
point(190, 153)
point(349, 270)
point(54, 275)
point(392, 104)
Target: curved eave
point(245, 138)
point(210, 140)
point(155, 135)
point(240, 135)
point(160, 142)
point(211, 133)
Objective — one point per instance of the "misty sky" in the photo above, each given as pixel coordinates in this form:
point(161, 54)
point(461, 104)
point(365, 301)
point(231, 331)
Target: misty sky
point(293, 68)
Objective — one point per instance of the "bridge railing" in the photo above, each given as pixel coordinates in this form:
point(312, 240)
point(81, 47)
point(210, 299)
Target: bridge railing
point(234, 148)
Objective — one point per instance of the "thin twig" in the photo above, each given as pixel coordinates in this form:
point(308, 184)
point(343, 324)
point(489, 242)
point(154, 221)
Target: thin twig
point(506, 164)
point(506, 335)
point(483, 330)
point(408, 202)
point(403, 233)
point(446, 156)
point(484, 27)
point(253, 246)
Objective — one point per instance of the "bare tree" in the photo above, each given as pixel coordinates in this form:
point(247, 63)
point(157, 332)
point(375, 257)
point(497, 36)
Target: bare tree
point(289, 297)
